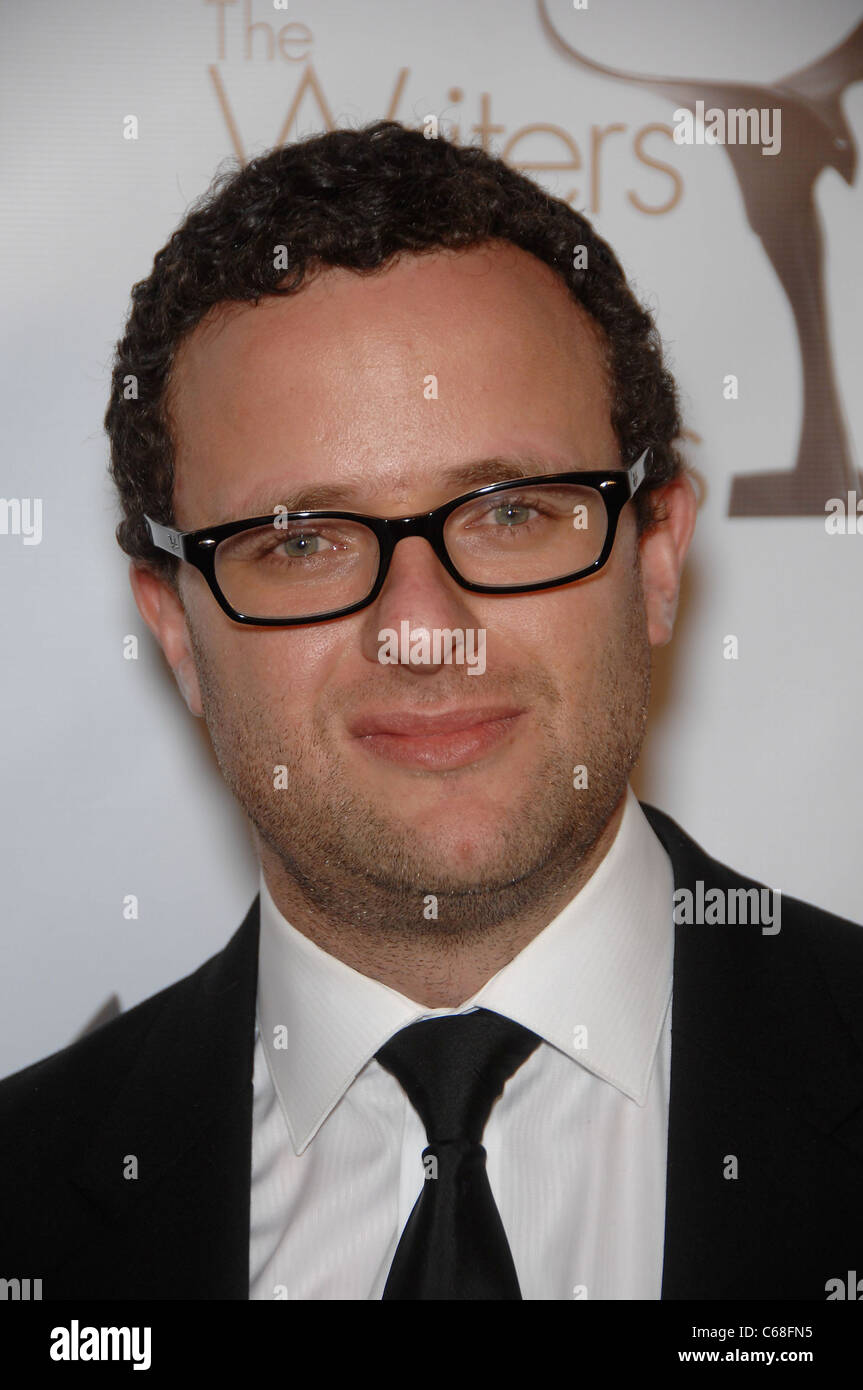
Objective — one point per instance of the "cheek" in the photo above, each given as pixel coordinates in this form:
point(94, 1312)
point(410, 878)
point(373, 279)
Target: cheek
point(559, 630)
point(278, 665)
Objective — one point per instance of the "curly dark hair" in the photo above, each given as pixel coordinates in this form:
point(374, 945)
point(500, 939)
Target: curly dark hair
point(356, 199)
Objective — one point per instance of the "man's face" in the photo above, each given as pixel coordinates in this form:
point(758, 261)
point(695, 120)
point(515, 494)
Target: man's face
point(329, 388)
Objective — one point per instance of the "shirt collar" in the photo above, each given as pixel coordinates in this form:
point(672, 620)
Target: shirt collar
point(595, 983)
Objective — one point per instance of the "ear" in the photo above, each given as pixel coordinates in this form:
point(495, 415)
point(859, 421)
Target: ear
point(160, 607)
point(663, 551)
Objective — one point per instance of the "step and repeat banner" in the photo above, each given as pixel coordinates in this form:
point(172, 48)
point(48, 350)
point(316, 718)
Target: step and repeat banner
point(715, 146)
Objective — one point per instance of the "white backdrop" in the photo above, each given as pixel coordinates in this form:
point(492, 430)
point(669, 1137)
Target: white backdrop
point(109, 787)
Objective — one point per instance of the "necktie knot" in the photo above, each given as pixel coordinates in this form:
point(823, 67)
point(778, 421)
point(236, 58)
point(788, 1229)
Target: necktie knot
point(453, 1069)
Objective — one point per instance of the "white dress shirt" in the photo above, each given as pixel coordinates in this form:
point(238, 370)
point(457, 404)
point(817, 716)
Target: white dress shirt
point(576, 1144)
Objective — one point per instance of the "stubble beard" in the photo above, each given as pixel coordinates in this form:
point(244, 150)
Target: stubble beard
point(352, 864)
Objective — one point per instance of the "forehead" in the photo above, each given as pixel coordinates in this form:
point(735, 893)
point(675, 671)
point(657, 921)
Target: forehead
point(380, 377)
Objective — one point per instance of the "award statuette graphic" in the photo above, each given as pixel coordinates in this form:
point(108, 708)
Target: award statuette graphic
point(778, 198)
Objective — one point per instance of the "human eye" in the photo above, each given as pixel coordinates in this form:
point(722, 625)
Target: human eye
point(302, 545)
point(516, 510)
point(299, 543)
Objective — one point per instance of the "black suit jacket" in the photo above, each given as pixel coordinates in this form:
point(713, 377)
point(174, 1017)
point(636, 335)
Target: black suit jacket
point(766, 1065)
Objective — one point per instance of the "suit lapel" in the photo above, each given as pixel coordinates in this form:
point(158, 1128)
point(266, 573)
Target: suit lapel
point(764, 1083)
point(180, 1229)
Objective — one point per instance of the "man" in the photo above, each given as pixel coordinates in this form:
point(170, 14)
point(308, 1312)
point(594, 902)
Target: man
point(459, 1048)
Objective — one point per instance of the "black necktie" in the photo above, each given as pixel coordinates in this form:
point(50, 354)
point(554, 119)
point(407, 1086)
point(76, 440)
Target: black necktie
point(453, 1070)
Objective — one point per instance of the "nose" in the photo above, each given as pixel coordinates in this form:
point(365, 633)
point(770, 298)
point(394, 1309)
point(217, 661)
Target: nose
point(418, 598)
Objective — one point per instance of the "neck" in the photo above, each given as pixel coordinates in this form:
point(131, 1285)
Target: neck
point(431, 964)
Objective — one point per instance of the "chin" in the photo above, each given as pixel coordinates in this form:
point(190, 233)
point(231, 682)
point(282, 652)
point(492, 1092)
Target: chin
point(449, 848)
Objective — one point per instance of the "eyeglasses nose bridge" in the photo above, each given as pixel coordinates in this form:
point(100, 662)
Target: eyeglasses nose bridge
point(420, 525)
point(428, 526)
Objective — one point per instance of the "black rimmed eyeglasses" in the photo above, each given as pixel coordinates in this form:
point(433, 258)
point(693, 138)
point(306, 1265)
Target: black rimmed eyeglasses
point(514, 537)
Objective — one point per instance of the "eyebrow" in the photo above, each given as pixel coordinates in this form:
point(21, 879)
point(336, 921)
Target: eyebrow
point(345, 496)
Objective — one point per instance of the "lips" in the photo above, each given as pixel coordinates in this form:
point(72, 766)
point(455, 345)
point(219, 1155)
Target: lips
point(439, 742)
point(414, 724)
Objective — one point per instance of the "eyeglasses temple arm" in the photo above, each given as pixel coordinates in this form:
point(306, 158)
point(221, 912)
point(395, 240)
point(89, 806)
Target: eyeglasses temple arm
point(166, 538)
point(636, 473)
